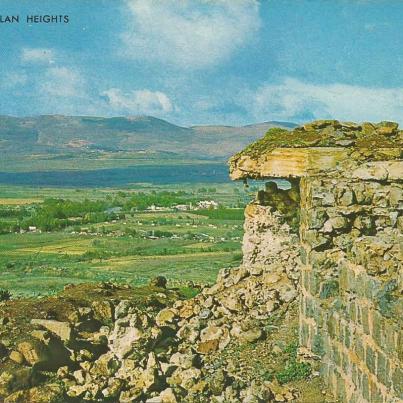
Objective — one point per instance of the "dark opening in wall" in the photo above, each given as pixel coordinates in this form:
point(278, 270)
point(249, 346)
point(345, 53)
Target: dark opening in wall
point(283, 197)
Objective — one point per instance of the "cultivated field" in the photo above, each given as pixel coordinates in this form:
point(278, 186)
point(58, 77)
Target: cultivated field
point(47, 244)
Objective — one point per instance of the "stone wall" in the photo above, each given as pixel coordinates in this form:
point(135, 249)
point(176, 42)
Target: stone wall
point(350, 314)
point(350, 230)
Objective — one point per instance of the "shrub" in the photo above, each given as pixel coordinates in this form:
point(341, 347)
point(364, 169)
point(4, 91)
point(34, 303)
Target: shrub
point(5, 295)
point(294, 370)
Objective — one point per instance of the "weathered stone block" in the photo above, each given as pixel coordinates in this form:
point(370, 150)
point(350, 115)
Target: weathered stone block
point(377, 327)
point(316, 218)
point(365, 319)
point(383, 369)
point(304, 333)
point(316, 240)
point(318, 345)
point(365, 387)
point(370, 359)
point(359, 349)
point(397, 380)
point(341, 389)
point(376, 394)
point(328, 289)
point(396, 196)
point(345, 363)
point(336, 356)
point(389, 342)
point(347, 335)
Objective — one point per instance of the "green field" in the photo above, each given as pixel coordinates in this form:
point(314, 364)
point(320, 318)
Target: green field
point(131, 246)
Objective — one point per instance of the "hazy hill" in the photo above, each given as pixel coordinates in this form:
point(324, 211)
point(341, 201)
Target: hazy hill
point(57, 134)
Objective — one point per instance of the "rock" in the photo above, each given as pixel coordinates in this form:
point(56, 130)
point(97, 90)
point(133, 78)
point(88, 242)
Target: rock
point(188, 333)
point(115, 386)
point(255, 270)
point(251, 335)
point(34, 352)
point(17, 357)
point(206, 347)
point(239, 274)
point(155, 399)
point(60, 329)
point(123, 339)
point(218, 381)
point(205, 313)
point(41, 335)
point(122, 309)
point(152, 362)
point(279, 392)
point(231, 302)
point(370, 171)
point(387, 128)
point(211, 332)
point(103, 310)
point(92, 390)
point(335, 223)
point(225, 339)
point(189, 377)
point(149, 380)
point(130, 396)
point(168, 396)
point(63, 372)
point(51, 393)
point(76, 391)
point(79, 376)
point(184, 361)
point(270, 306)
point(106, 365)
point(165, 316)
point(270, 278)
point(186, 311)
point(288, 293)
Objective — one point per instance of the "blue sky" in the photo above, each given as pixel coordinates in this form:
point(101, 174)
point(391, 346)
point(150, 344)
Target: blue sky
point(205, 62)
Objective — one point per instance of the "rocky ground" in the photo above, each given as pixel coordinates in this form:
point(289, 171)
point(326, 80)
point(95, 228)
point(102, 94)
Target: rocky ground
point(113, 343)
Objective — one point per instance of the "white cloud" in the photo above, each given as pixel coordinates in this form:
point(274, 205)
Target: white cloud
point(62, 82)
point(296, 100)
point(14, 79)
point(37, 55)
point(189, 33)
point(138, 102)
point(64, 90)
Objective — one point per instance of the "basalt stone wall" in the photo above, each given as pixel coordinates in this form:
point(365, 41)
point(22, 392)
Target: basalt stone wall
point(350, 236)
point(351, 280)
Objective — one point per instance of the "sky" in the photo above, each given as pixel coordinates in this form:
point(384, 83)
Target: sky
point(232, 62)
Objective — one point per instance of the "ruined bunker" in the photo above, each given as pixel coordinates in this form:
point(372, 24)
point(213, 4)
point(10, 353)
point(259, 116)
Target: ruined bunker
point(345, 205)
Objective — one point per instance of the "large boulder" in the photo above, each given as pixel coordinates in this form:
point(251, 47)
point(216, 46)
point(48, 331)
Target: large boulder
point(60, 329)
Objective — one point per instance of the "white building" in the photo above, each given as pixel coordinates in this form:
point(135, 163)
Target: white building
point(207, 204)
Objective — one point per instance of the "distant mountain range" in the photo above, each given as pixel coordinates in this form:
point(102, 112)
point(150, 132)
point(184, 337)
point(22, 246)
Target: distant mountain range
point(57, 134)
